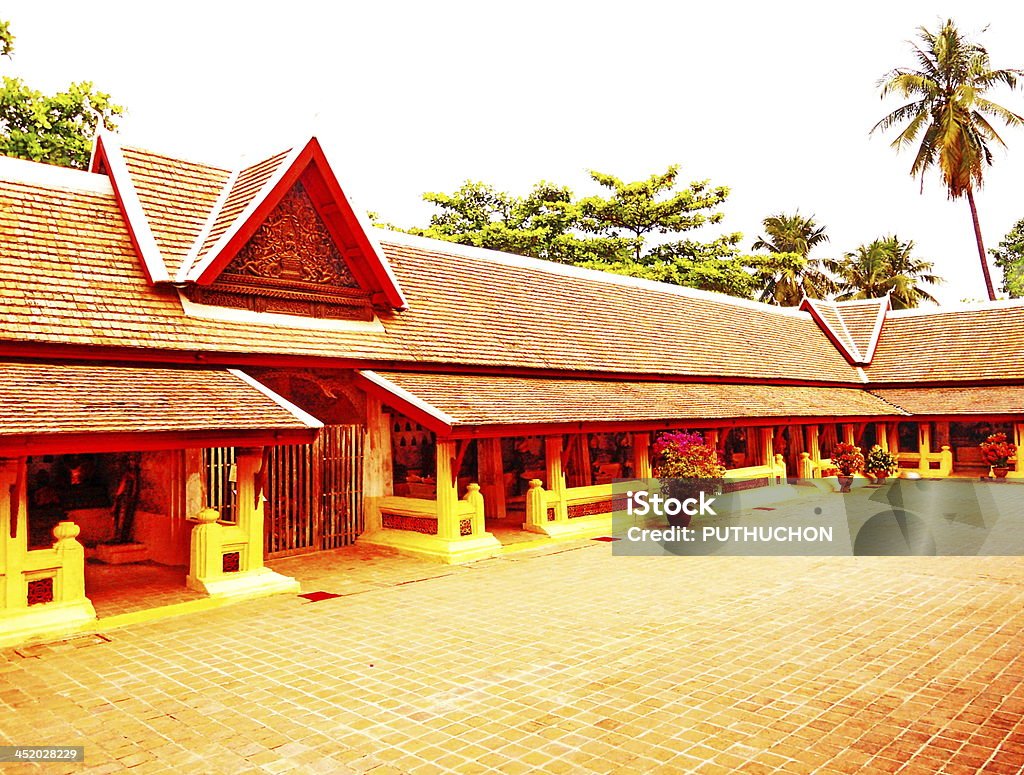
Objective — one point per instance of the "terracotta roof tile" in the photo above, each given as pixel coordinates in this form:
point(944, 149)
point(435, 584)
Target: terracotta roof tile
point(244, 189)
point(494, 400)
point(39, 398)
point(176, 196)
point(975, 400)
point(512, 312)
point(964, 344)
point(861, 318)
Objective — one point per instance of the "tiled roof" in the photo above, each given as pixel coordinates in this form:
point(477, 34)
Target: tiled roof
point(176, 197)
point(854, 326)
point(975, 400)
point(473, 400)
point(70, 276)
point(42, 399)
point(477, 307)
point(964, 344)
point(244, 188)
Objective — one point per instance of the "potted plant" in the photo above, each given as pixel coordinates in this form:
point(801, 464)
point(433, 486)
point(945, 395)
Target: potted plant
point(997, 451)
point(880, 464)
point(686, 467)
point(849, 460)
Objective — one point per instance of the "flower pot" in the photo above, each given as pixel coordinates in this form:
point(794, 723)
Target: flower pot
point(845, 483)
point(1000, 473)
point(679, 520)
point(880, 476)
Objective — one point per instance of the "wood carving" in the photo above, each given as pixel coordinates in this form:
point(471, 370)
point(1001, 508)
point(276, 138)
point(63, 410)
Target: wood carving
point(292, 266)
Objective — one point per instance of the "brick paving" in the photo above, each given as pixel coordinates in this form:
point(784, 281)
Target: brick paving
point(562, 660)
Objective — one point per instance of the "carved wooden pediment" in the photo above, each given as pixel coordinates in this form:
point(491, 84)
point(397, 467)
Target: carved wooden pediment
point(290, 265)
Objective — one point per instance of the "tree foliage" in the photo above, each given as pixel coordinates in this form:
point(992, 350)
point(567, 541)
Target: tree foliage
point(885, 266)
point(623, 232)
point(56, 129)
point(1009, 257)
point(790, 273)
point(948, 110)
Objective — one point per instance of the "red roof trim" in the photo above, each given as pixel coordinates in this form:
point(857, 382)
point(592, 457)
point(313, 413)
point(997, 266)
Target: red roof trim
point(63, 444)
point(412, 407)
point(107, 159)
point(310, 159)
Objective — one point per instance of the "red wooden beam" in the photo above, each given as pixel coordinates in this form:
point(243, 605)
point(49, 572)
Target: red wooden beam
point(75, 443)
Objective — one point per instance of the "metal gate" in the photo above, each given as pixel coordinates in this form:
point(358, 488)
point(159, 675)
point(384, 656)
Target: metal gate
point(313, 491)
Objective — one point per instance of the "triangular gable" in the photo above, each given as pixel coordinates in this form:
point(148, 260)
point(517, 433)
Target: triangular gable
point(108, 160)
point(301, 179)
point(852, 326)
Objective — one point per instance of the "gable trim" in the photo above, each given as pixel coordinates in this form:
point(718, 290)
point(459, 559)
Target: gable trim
point(107, 152)
point(847, 347)
point(288, 173)
point(876, 332)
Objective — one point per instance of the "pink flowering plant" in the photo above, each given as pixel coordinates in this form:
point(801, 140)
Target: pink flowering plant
point(683, 455)
point(997, 451)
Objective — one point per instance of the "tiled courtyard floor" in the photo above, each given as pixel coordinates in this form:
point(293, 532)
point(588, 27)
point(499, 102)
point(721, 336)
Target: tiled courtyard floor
point(564, 660)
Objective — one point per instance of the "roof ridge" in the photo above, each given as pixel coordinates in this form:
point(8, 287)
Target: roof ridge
point(211, 219)
point(569, 270)
point(42, 175)
point(978, 306)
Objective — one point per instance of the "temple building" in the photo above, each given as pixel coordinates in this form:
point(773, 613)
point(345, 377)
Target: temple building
point(206, 368)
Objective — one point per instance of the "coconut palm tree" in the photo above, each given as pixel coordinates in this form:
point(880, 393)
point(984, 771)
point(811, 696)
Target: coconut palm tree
point(885, 266)
point(951, 114)
point(786, 282)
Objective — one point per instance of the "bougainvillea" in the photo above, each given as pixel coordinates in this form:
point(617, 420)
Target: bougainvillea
point(684, 455)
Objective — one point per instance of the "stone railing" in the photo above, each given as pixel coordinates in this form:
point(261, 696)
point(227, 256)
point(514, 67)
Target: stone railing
point(756, 476)
point(924, 462)
point(419, 515)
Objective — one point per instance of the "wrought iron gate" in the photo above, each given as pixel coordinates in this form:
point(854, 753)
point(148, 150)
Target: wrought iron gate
point(313, 491)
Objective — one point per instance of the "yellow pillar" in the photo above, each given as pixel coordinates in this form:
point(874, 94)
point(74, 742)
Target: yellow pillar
point(556, 476)
point(767, 446)
point(848, 435)
point(924, 444)
point(894, 438)
point(642, 456)
point(812, 442)
point(881, 433)
point(206, 562)
point(447, 492)
point(378, 481)
point(492, 477)
point(211, 541)
point(13, 530)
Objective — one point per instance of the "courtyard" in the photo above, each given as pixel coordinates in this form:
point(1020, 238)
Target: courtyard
point(557, 658)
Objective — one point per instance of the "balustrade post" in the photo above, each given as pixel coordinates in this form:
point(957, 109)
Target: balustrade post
point(476, 499)
point(536, 507)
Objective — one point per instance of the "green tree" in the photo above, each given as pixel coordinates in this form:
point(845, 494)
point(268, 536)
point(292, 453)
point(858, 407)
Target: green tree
point(608, 233)
point(652, 206)
point(1009, 257)
point(542, 224)
point(885, 266)
point(790, 273)
point(950, 113)
point(56, 129)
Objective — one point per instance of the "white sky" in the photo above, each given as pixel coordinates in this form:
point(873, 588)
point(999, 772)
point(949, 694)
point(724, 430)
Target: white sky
point(774, 100)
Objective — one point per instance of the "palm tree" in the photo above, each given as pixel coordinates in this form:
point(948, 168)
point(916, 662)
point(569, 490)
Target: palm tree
point(949, 111)
point(885, 266)
point(785, 281)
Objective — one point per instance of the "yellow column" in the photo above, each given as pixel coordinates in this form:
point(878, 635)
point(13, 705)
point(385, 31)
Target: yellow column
point(447, 492)
point(642, 456)
point(205, 561)
point(813, 443)
point(767, 446)
point(894, 438)
point(492, 477)
point(881, 433)
point(924, 444)
point(13, 531)
point(378, 473)
point(250, 506)
point(556, 476)
point(848, 433)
